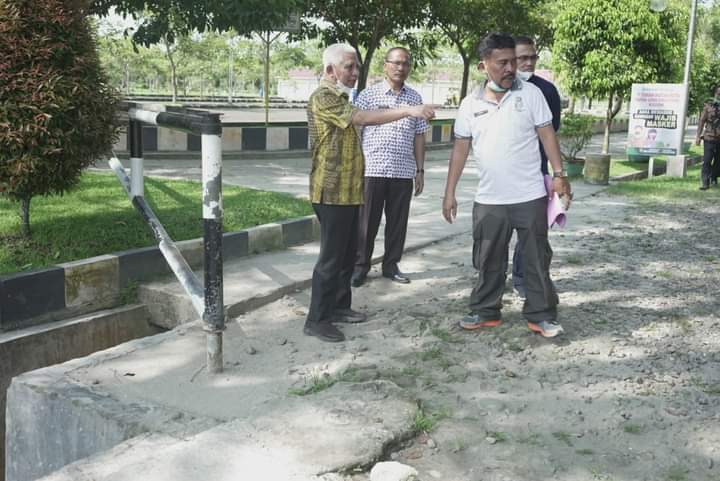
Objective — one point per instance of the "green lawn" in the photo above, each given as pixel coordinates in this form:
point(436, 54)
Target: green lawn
point(623, 166)
point(667, 189)
point(97, 218)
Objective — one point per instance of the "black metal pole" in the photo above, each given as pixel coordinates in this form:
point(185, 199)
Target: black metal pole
point(214, 316)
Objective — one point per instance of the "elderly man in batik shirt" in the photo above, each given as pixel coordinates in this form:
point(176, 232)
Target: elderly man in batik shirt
point(336, 187)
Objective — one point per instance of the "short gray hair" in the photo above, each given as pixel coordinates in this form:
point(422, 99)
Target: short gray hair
point(333, 55)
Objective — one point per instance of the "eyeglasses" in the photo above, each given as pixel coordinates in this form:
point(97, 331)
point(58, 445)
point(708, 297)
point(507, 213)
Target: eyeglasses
point(398, 63)
point(527, 58)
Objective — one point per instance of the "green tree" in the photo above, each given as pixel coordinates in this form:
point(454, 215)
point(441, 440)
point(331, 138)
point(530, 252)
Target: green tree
point(465, 22)
point(363, 25)
point(160, 16)
point(602, 47)
point(57, 114)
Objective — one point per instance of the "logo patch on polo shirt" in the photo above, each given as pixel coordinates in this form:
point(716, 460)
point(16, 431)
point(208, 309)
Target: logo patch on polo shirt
point(478, 114)
point(519, 107)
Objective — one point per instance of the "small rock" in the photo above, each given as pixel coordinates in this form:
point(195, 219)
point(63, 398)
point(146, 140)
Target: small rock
point(251, 350)
point(491, 440)
point(431, 443)
point(392, 471)
point(282, 342)
point(414, 453)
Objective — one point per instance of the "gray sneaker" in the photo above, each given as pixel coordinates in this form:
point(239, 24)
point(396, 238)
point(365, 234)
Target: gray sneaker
point(473, 321)
point(546, 328)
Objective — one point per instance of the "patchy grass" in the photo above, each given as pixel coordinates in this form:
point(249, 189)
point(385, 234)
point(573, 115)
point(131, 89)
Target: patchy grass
point(314, 383)
point(632, 428)
point(667, 189)
point(677, 473)
point(563, 437)
point(97, 218)
point(426, 421)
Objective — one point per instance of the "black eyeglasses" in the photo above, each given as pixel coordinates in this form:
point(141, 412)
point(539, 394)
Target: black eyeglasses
point(527, 58)
point(398, 63)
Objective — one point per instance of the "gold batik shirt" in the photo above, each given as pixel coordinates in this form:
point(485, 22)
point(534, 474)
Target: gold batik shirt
point(337, 158)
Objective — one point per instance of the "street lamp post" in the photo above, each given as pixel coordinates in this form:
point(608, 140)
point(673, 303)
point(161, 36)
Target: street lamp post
point(659, 6)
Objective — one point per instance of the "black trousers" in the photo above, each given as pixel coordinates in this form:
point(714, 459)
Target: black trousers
point(711, 161)
point(493, 226)
point(333, 270)
point(391, 196)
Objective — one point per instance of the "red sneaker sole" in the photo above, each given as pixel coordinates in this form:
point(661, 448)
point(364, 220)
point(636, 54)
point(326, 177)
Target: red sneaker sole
point(482, 324)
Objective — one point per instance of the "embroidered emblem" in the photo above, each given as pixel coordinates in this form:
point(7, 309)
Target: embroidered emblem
point(519, 107)
point(478, 114)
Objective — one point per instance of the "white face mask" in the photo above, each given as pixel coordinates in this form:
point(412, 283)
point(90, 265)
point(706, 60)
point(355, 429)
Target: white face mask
point(494, 86)
point(524, 75)
point(344, 88)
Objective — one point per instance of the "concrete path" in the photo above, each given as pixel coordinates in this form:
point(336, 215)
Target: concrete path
point(148, 409)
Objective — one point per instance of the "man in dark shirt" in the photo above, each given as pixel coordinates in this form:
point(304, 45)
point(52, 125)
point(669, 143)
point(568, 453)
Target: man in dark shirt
point(526, 60)
point(709, 132)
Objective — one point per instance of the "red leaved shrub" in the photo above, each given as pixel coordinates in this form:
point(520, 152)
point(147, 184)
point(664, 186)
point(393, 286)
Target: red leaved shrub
point(57, 111)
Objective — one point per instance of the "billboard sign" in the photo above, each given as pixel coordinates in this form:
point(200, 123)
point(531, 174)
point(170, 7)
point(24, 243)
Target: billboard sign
point(655, 117)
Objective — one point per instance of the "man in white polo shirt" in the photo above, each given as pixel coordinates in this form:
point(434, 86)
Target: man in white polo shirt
point(502, 122)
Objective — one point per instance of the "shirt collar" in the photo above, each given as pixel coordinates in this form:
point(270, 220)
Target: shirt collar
point(332, 86)
point(480, 91)
point(388, 87)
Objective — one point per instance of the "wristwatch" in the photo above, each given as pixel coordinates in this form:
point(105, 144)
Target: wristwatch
point(560, 173)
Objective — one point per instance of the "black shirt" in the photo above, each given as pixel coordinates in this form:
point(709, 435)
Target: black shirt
point(552, 97)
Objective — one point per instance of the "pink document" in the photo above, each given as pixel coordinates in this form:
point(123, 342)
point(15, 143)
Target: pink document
point(555, 209)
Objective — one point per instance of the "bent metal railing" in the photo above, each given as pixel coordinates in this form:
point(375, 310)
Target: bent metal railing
point(206, 299)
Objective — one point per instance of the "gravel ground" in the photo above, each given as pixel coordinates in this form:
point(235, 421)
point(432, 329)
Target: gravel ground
point(631, 392)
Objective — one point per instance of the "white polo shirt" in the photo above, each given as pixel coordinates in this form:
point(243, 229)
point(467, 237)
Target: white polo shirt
point(505, 142)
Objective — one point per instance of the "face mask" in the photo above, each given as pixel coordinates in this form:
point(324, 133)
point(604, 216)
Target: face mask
point(494, 86)
point(524, 75)
point(344, 88)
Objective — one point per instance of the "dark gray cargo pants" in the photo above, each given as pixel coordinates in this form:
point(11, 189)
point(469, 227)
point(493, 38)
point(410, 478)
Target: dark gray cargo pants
point(493, 226)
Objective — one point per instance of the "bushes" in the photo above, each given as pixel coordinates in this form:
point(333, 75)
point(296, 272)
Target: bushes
point(57, 111)
point(575, 132)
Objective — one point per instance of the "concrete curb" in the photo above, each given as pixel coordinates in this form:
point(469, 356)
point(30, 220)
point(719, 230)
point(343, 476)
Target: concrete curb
point(83, 286)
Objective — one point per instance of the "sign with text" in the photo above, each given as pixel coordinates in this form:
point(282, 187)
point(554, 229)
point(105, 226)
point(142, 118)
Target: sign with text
point(655, 117)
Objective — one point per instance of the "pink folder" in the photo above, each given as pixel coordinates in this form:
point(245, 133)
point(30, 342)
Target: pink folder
point(555, 209)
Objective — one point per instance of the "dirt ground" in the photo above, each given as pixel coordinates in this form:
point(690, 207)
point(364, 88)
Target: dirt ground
point(630, 392)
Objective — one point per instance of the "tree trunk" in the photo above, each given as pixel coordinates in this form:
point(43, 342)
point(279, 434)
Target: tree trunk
point(365, 69)
point(465, 77)
point(25, 216)
point(571, 105)
point(173, 68)
point(608, 124)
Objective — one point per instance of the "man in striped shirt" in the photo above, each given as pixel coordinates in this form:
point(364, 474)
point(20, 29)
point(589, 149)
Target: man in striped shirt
point(336, 187)
point(394, 158)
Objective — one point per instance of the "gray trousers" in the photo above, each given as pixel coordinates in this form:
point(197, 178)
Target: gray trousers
point(493, 226)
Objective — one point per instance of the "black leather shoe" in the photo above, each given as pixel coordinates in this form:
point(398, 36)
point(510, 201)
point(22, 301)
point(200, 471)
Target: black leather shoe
point(398, 277)
point(323, 331)
point(358, 279)
point(349, 316)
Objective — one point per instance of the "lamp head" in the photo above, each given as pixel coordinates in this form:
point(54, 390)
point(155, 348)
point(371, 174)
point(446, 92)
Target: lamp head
point(658, 5)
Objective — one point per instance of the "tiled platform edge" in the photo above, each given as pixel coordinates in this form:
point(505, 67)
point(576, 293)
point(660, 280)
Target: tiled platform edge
point(292, 136)
point(283, 137)
point(87, 285)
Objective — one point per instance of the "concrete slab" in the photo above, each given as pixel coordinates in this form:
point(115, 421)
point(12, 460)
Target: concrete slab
point(44, 345)
point(125, 392)
point(344, 427)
